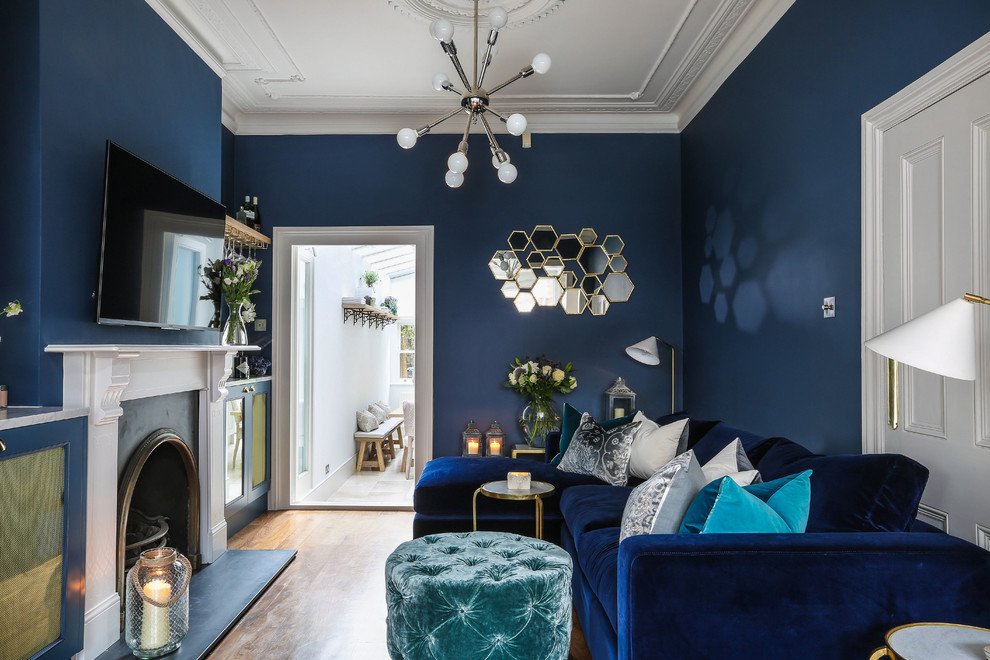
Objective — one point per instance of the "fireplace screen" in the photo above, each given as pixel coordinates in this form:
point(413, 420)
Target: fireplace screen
point(32, 520)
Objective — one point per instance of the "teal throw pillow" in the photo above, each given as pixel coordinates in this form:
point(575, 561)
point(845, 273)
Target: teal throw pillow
point(775, 507)
point(572, 420)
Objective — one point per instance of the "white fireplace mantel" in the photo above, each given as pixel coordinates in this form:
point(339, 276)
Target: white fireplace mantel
point(97, 377)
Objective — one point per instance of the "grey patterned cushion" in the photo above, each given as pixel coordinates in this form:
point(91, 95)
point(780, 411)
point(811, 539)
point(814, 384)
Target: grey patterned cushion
point(377, 412)
point(600, 453)
point(658, 505)
point(366, 421)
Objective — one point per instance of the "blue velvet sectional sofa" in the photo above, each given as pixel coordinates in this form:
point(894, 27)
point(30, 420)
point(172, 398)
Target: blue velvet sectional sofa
point(864, 565)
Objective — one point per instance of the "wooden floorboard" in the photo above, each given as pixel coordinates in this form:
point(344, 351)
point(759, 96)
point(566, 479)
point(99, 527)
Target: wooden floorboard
point(329, 604)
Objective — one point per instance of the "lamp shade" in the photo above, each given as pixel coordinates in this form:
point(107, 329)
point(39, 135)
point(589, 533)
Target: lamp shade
point(645, 351)
point(943, 341)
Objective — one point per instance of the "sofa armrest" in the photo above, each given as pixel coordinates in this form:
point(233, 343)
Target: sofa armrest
point(791, 595)
point(553, 445)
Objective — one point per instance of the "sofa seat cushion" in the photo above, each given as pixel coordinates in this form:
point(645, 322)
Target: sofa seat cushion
point(587, 508)
point(447, 486)
point(852, 493)
point(598, 560)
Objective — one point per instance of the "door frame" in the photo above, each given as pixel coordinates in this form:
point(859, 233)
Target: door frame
point(952, 75)
point(283, 241)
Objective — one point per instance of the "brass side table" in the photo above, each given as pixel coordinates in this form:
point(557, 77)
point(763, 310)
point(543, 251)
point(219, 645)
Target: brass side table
point(925, 641)
point(499, 490)
point(526, 449)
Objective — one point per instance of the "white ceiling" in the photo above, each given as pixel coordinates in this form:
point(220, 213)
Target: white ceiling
point(365, 66)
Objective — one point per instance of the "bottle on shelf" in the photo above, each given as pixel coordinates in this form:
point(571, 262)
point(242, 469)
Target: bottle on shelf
point(257, 215)
point(246, 213)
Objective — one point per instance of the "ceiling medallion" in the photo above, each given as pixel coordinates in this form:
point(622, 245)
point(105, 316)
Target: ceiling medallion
point(461, 12)
point(474, 98)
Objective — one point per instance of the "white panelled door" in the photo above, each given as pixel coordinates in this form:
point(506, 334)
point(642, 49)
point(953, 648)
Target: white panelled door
point(934, 247)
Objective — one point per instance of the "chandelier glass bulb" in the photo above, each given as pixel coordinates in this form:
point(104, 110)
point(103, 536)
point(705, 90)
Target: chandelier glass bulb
point(541, 63)
point(442, 30)
point(507, 173)
point(497, 18)
point(453, 179)
point(457, 163)
point(407, 138)
point(440, 81)
point(516, 124)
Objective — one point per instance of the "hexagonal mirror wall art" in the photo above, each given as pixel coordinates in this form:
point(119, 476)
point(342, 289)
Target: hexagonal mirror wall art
point(535, 271)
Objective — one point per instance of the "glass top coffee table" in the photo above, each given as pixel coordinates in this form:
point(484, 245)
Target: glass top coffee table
point(925, 641)
point(500, 490)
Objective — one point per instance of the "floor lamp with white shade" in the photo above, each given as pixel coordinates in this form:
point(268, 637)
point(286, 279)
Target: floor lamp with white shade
point(648, 352)
point(943, 342)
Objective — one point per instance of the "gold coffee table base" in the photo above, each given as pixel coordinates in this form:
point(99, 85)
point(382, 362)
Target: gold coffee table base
point(946, 641)
point(499, 490)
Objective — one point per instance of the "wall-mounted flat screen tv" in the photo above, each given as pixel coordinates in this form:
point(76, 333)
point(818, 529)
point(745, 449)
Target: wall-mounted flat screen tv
point(158, 234)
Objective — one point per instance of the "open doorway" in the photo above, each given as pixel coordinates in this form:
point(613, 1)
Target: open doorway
point(339, 353)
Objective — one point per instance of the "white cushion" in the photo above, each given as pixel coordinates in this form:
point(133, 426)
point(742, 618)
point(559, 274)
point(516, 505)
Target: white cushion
point(654, 446)
point(658, 505)
point(732, 462)
point(377, 412)
point(366, 421)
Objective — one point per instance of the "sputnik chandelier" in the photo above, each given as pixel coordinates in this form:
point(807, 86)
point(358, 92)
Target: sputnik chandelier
point(474, 98)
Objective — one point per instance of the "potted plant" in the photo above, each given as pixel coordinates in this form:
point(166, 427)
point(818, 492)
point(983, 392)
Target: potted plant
point(368, 278)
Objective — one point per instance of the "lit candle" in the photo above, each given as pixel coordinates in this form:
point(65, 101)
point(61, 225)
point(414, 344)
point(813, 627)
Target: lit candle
point(154, 619)
point(472, 445)
point(518, 480)
point(619, 412)
point(494, 447)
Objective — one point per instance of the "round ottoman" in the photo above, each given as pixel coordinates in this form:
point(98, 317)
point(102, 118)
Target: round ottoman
point(478, 595)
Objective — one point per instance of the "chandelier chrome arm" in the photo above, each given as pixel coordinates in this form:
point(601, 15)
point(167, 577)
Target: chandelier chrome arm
point(492, 38)
point(451, 50)
point(492, 142)
point(426, 129)
point(463, 146)
point(524, 73)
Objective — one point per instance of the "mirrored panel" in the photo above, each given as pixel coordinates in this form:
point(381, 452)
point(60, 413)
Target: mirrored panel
point(591, 284)
point(574, 301)
point(526, 278)
point(568, 246)
point(618, 263)
point(535, 259)
point(618, 287)
point(588, 236)
point(544, 237)
point(518, 240)
point(547, 291)
point(598, 305)
point(553, 266)
point(568, 279)
point(613, 244)
point(504, 265)
point(593, 260)
point(525, 302)
point(510, 289)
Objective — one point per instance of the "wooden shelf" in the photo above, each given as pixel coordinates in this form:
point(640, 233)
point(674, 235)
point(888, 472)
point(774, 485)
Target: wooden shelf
point(241, 236)
point(376, 316)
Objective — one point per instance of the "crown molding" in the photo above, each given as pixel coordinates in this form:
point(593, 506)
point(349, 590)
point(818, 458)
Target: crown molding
point(195, 40)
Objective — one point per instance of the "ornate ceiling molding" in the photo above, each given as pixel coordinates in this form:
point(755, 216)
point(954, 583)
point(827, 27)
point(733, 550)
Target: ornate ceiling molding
point(461, 12)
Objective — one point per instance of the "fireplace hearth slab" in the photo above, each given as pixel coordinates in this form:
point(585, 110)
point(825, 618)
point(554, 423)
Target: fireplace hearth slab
point(219, 595)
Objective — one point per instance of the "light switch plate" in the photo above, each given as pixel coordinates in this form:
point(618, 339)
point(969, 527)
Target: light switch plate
point(260, 325)
point(828, 307)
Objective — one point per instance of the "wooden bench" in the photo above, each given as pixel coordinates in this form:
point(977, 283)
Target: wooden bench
point(379, 444)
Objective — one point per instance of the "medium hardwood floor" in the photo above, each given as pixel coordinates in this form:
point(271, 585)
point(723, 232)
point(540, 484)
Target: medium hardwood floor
point(329, 604)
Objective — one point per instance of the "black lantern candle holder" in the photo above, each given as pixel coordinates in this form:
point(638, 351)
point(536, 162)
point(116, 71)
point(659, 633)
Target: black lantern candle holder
point(472, 438)
point(619, 400)
point(495, 440)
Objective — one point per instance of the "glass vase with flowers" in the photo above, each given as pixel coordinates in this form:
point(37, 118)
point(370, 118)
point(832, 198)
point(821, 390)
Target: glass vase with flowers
point(538, 379)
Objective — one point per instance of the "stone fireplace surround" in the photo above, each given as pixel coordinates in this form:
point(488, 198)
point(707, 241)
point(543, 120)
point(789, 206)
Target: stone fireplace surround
point(97, 377)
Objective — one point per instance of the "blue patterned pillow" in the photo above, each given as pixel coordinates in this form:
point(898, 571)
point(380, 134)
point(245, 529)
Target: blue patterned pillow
point(600, 453)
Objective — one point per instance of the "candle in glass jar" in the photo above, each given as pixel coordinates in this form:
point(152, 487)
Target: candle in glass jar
point(154, 619)
point(472, 446)
point(518, 480)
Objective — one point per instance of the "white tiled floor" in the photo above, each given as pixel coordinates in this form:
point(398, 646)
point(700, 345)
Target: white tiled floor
point(370, 487)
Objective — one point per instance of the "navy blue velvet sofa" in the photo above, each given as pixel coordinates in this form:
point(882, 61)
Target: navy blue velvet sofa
point(865, 565)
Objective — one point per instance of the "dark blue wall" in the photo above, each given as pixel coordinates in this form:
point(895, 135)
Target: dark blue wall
point(771, 196)
point(20, 197)
point(108, 69)
point(617, 184)
point(228, 193)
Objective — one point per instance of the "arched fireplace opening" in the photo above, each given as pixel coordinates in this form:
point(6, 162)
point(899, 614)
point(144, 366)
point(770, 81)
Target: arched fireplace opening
point(158, 502)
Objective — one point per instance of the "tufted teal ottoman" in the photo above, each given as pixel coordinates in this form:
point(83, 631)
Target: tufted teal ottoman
point(484, 595)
